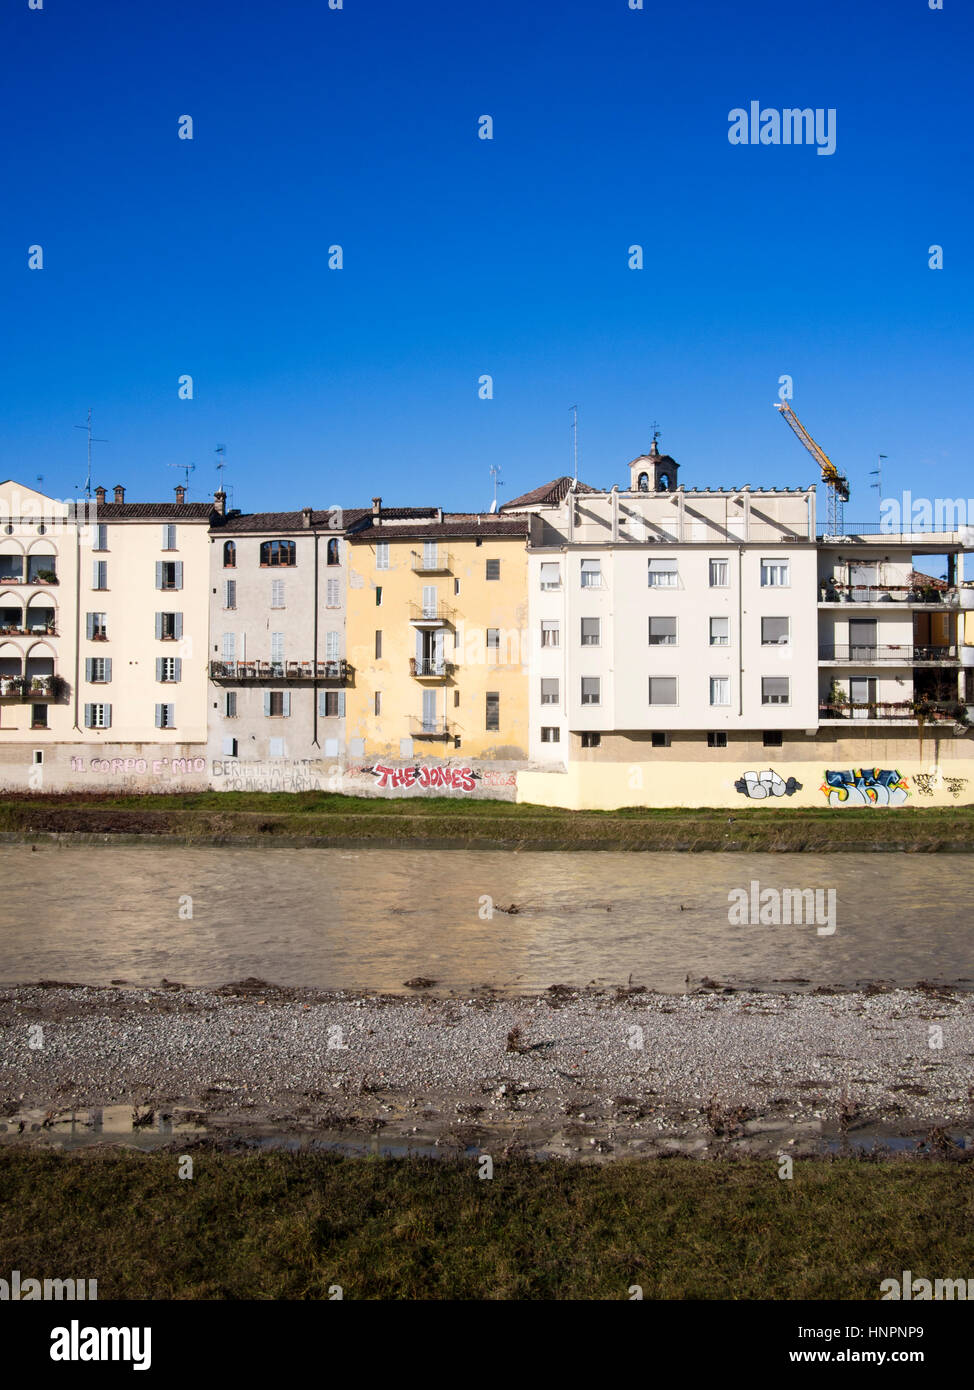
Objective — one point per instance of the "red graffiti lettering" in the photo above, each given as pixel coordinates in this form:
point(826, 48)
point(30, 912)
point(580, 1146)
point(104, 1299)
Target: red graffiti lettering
point(383, 774)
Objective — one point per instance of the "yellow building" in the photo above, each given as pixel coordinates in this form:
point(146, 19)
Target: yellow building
point(437, 633)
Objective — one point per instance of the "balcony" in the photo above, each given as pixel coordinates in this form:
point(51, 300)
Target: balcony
point(21, 689)
point(890, 654)
point(430, 614)
point(427, 563)
point(437, 728)
point(428, 668)
point(833, 593)
point(241, 671)
point(898, 711)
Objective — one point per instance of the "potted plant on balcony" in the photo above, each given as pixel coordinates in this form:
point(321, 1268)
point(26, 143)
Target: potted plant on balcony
point(9, 685)
point(46, 577)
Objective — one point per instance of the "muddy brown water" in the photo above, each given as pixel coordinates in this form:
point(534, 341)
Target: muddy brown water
point(374, 918)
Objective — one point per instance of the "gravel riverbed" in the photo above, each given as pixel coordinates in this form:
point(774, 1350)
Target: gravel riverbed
point(572, 1072)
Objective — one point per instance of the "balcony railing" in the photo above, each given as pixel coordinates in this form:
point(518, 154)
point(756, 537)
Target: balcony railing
point(910, 710)
point(836, 591)
point(279, 670)
point(440, 563)
point(41, 630)
point(896, 654)
point(429, 728)
point(23, 688)
point(430, 613)
point(427, 667)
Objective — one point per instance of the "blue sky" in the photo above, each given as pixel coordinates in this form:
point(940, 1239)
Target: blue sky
point(465, 257)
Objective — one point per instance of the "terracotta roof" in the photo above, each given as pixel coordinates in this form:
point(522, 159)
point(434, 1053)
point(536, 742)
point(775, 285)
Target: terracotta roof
point(285, 521)
point(549, 495)
point(146, 511)
point(918, 579)
point(456, 524)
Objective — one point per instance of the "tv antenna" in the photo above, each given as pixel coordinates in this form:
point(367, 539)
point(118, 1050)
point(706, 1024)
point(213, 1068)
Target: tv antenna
point(574, 410)
point(495, 471)
point(91, 440)
point(187, 469)
point(878, 474)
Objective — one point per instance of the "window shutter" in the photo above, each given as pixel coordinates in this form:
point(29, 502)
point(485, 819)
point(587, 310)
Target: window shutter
point(89, 717)
point(322, 701)
point(158, 716)
point(331, 646)
point(107, 712)
point(341, 704)
point(165, 537)
point(438, 647)
point(158, 626)
point(287, 702)
point(90, 626)
point(179, 574)
point(228, 749)
point(267, 702)
point(178, 625)
point(108, 668)
point(159, 660)
point(229, 646)
point(170, 715)
point(178, 663)
point(158, 574)
point(89, 663)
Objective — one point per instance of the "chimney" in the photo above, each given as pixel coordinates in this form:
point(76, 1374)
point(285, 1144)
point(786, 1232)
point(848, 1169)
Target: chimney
point(100, 496)
point(119, 493)
point(439, 516)
point(376, 506)
point(180, 495)
point(220, 502)
point(306, 517)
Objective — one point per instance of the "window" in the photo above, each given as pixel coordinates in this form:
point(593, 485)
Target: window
point(169, 537)
point(98, 716)
point(230, 704)
point(229, 555)
point(333, 593)
point(719, 574)
point(591, 740)
point(456, 586)
point(775, 632)
point(277, 553)
point(169, 627)
point(38, 717)
point(101, 537)
point(332, 645)
point(662, 690)
point(169, 574)
point(38, 756)
point(493, 639)
point(775, 690)
point(277, 647)
point(717, 740)
point(775, 574)
point(720, 690)
point(591, 632)
point(331, 704)
point(658, 739)
point(493, 569)
point(332, 553)
point(377, 703)
point(169, 668)
point(493, 707)
point(277, 704)
point(382, 555)
point(96, 627)
point(664, 572)
point(165, 716)
point(229, 593)
point(277, 593)
point(591, 690)
point(378, 644)
point(549, 690)
point(550, 735)
point(228, 646)
point(229, 747)
point(772, 738)
point(719, 632)
point(550, 577)
point(550, 632)
point(662, 632)
point(378, 596)
point(591, 574)
point(98, 670)
point(99, 574)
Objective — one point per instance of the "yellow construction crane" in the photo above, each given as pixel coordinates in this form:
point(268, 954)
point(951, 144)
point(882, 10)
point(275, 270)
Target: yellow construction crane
point(836, 482)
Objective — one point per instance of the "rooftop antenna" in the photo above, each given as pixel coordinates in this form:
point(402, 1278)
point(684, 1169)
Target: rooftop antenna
point(91, 440)
point(187, 469)
point(221, 453)
point(495, 471)
point(574, 410)
point(878, 473)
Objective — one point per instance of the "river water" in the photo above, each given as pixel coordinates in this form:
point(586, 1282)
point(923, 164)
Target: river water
point(374, 918)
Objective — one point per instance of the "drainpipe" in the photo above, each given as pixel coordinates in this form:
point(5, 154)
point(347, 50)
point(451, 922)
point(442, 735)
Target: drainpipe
point(77, 614)
point(740, 630)
point(314, 688)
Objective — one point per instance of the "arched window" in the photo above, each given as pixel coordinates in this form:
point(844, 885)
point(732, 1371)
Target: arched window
point(643, 482)
point(277, 553)
point(665, 482)
point(229, 555)
point(333, 553)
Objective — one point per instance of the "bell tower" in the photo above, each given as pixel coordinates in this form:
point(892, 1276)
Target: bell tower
point(653, 472)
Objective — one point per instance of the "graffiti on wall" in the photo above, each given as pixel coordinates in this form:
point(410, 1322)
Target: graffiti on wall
point(868, 786)
point(424, 777)
point(758, 786)
point(272, 775)
point(159, 767)
point(926, 783)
